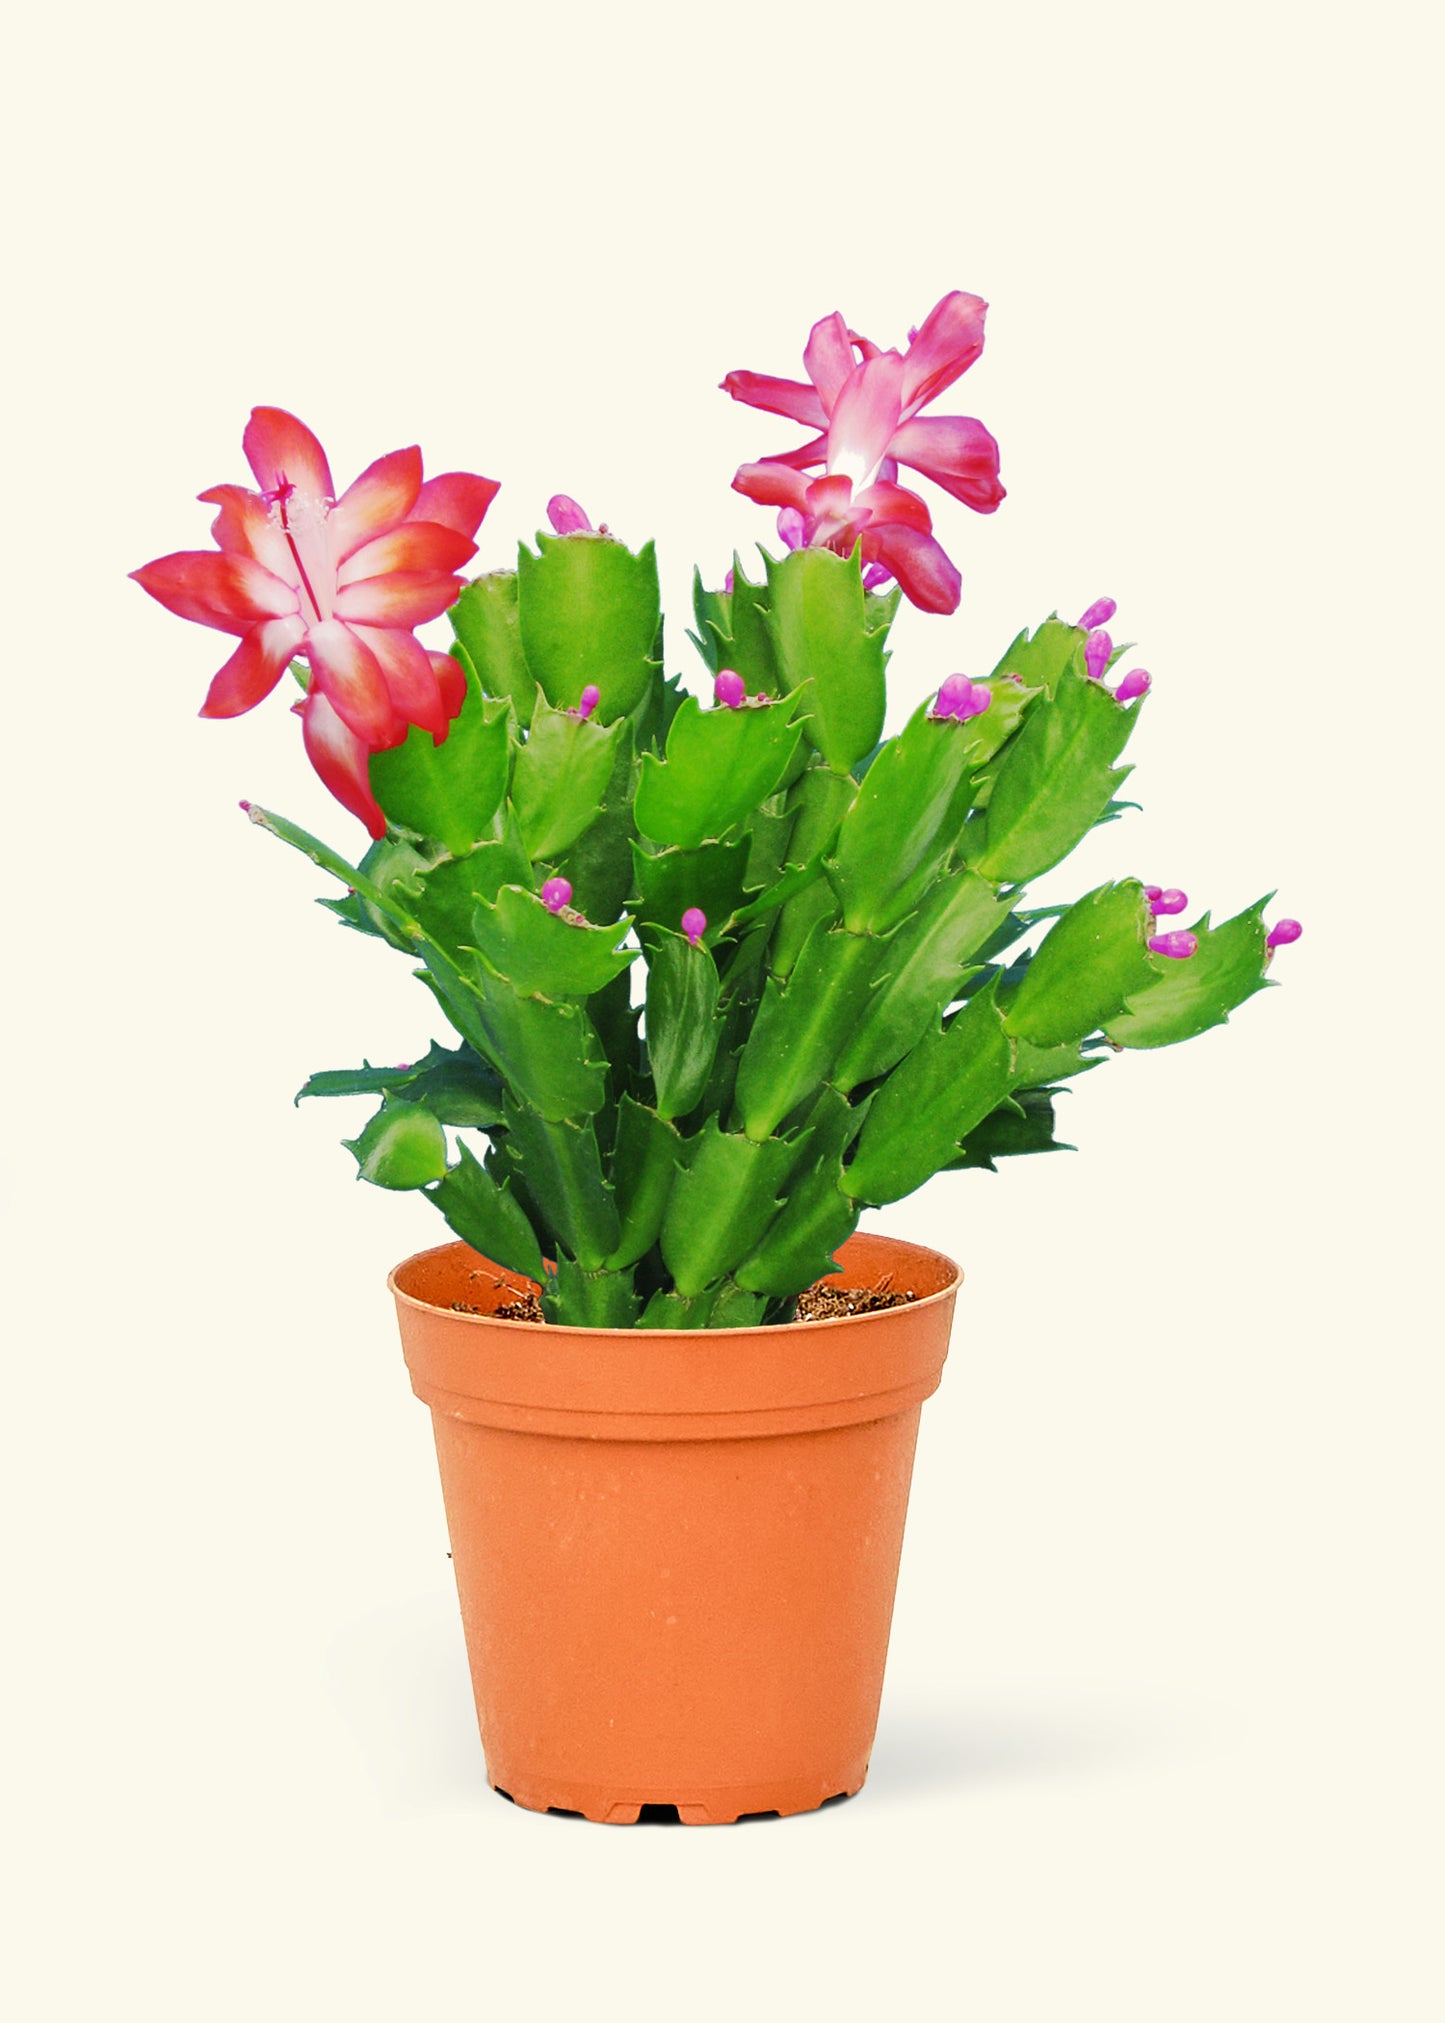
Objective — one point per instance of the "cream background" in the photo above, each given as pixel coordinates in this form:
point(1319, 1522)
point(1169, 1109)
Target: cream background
point(1160, 1734)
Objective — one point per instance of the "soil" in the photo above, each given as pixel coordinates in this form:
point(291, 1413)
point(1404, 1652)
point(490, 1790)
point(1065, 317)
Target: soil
point(821, 1302)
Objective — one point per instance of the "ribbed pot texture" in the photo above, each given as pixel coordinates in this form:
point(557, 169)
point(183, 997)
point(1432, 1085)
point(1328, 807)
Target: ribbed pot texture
point(676, 1551)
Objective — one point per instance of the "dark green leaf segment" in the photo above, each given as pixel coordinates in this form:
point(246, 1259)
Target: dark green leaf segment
point(719, 978)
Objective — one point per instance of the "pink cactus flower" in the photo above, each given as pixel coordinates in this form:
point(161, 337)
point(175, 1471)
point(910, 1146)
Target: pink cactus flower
point(961, 698)
point(1178, 945)
point(588, 701)
point(1283, 933)
point(339, 582)
point(1170, 901)
point(1138, 681)
point(1098, 613)
point(556, 893)
point(729, 690)
point(567, 516)
point(694, 925)
point(866, 402)
point(728, 584)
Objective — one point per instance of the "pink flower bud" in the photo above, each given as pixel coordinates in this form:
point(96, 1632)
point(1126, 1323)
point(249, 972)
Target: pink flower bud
point(567, 516)
point(728, 584)
point(1098, 613)
point(961, 698)
point(403, 1067)
point(1172, 901)
point(1153, 892)
point(1136, 682)
point(1283, 933)
point(1179, 944)
point(953, 696)
point(556, 894)
point(792, 527)
point(729, 689)
point(590, 697)
point(244, 806)
point(875, 576)
point(1098, 649)
point(694, 924)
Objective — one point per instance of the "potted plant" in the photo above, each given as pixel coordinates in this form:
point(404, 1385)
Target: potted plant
point(720, 972)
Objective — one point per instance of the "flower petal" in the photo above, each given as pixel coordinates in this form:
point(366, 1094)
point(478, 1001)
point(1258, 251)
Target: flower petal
point(452, 680)
point(341, 758)
point(347, 672)
point(457, 499)
point(410, 680)
point(385, 493)
point(777, 396)
point(864, 416)
point(828, 356)
point(402, 597)
point(254, 669)
point(949, 339)
point(830, 498)
point(814, 451)
point(244, 527)
point(282, 451)
point(896, 505)
point(928, 578)
point(772, 484)
point(231, 592)
point(415, 546)
point(957, 453)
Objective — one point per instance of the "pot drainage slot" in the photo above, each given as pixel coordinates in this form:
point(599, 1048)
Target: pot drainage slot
point(565, 1812)
point(659, 1815)
point(744, 1817)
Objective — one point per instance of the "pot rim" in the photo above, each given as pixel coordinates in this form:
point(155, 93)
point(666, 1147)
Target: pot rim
point(556, 1329)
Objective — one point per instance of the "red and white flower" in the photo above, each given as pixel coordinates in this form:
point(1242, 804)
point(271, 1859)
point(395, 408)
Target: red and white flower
point(338, 582)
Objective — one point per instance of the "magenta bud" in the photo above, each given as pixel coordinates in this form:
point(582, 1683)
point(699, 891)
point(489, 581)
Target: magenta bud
point(729, 689)
point(556, 893)
point(1178, 944)
point(694, 924)
point(792, 527)
point(953, 696)
point(244, 806)
point(403, 1067)
point(1153, 892)
point(590, 697)
point(1098, 613)
point(728, 584)
point(875, 576)
point(1283, 933)
point(1098, 649)
point(1136, 682)
point(1170, 901)
point(979, 699)
point(567, 516)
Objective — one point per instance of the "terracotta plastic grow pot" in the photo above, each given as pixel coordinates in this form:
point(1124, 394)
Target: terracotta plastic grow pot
point(676, 1552)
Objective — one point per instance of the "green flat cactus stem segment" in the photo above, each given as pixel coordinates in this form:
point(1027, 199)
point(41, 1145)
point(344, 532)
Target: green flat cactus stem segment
point(818, 619)
point(588, 615)
point(896, 835)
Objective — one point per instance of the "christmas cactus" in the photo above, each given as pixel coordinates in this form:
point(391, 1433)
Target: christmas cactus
point(720, 971)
